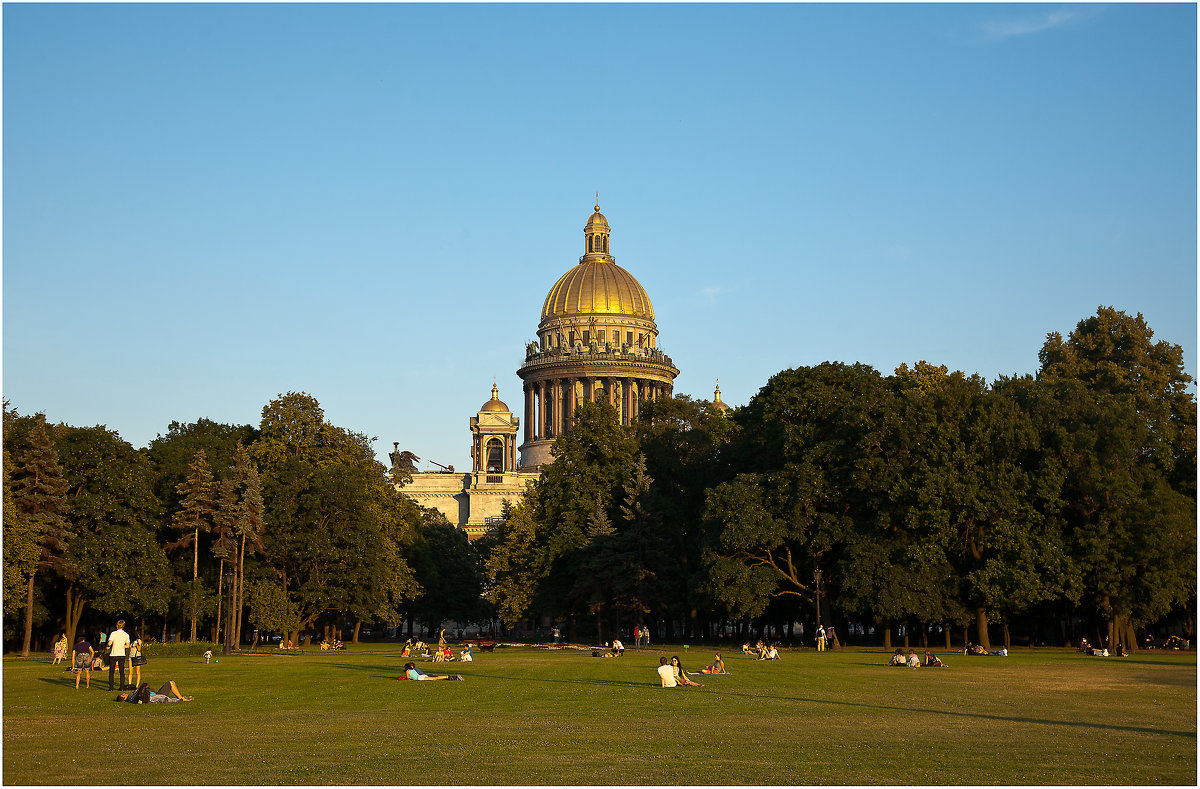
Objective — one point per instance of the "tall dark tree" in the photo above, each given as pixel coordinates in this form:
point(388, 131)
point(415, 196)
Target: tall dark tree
point(326, 511)
point(447, 568)
point(1125, 428)
point(813, 469)
point(115, 561)
point(683, 441)
point(197, 513)
point(38, 491)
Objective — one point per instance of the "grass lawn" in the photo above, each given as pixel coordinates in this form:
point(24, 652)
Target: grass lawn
point(531, 716)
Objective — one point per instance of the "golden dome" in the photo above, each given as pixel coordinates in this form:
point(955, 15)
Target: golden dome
point(495, 404)
point(598, 287)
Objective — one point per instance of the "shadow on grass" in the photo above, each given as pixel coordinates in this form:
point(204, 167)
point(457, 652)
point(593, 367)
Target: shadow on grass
point(978, 715)
point(860, 705)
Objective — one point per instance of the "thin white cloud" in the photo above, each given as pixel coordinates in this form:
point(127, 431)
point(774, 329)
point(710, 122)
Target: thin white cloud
point(1030, 24)
point(710, 294)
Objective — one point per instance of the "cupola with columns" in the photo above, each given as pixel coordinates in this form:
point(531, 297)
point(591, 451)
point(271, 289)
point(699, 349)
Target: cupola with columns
point(597, 339)
point(494, 437)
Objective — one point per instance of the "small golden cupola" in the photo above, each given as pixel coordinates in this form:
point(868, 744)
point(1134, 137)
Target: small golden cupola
point(596, 237)
point(495, 404)
point(717, 403)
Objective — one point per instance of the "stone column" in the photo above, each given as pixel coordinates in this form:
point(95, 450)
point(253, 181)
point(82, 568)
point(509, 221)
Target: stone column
point(541, 397)
point(556, 398)
point(529, 411)
point(627, 401)
point(570, 401)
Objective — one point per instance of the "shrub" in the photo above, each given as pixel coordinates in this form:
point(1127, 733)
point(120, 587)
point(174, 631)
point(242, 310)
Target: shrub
point(181, 649)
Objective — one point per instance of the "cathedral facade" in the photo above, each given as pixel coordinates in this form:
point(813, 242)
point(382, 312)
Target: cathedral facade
point(597, 340)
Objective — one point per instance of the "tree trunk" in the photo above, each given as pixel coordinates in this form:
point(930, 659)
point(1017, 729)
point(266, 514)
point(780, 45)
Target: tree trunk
point(907, 630)
point(1130, 637)
point(75, 604)
point(924, 635)
point(240, 590)
point(220, 599)
point(1007, 637)
point(28, 617)
point(357, 627)
point(886, 628)
point(195, 576)
point(946, 628)
point(981, 628)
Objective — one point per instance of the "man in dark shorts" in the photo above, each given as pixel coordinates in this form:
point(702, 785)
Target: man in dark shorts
point(82, 661)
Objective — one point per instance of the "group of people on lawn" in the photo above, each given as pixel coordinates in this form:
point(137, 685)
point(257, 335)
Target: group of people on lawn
point(120, 647)
point(912, 661)
point(761, 650)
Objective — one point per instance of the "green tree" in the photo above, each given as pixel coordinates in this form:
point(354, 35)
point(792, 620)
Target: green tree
point(38, 493)
point(326, 532)
point(813, 468)
point(1124, 426)
point(115, 560)
point(247, 528)
point(172, 453)
point(683, 442)
point(516, 565)
point(197, 513)
point(447, 568)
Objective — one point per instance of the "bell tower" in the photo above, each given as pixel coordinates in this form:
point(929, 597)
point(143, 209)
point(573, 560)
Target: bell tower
point(494, 437)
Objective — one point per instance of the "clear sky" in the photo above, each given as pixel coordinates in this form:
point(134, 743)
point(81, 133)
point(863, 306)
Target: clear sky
point(208, 205)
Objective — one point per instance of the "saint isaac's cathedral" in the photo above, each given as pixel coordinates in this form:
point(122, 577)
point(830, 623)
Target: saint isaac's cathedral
point(597, 340)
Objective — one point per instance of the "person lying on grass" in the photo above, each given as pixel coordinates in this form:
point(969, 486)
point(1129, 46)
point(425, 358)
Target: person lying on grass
point(412, 672)
point(169, 692)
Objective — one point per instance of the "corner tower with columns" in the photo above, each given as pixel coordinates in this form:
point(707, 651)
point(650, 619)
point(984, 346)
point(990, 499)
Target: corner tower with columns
point(597, 340)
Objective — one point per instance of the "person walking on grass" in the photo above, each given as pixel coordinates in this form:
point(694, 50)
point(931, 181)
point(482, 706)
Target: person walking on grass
point(118, 642)
point(60, 650)
point(83, 654)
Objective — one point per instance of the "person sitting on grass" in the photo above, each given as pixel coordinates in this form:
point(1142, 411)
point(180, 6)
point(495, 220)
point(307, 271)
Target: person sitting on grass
point(466, 656)
point(666, 673)
point(412, 672)
point(913, 661)
point(718, 666)
point(618, 648)
point(681, 676)
point(931, 660)
point(746, 650)
point(772, 653)
point(897, 658)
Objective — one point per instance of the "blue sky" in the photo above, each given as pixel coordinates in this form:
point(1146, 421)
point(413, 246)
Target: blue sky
point(208, 205)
